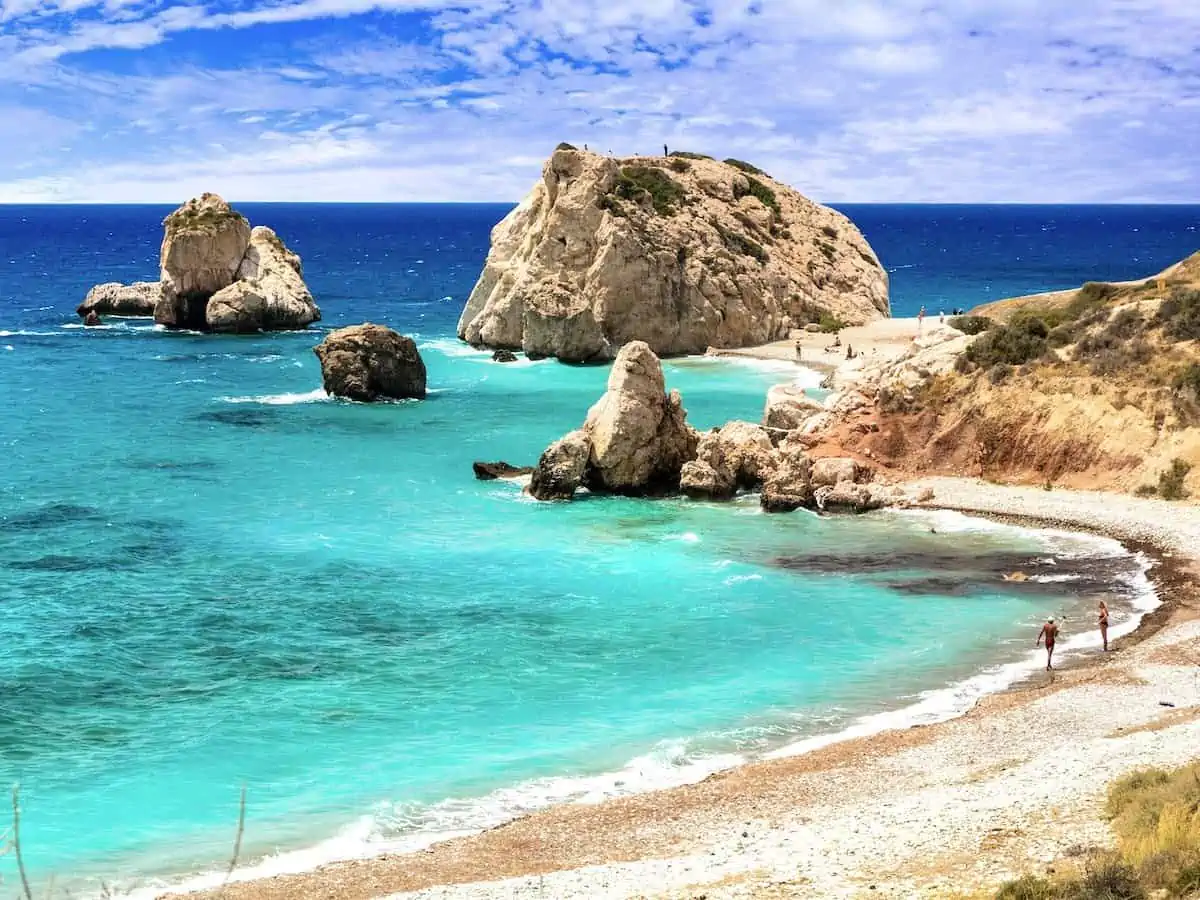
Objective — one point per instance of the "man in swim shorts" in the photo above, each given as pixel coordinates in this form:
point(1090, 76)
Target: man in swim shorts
point(1048, 633)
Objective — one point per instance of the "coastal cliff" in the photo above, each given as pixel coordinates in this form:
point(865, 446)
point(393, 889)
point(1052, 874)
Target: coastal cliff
point(682, 252)
point(1093, 388)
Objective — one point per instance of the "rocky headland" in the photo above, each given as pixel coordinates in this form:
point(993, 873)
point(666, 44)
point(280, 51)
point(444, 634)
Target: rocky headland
point(216, 274)
point(682, 252)
point(371, 362)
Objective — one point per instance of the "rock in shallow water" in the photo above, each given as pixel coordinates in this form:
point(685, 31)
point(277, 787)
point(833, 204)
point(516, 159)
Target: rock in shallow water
point(560, 470)
point(116, 299)
point(504, 356)
point(490, 471)
point(370, 362)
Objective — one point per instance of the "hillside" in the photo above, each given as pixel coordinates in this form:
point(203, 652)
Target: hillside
point(1097, 387)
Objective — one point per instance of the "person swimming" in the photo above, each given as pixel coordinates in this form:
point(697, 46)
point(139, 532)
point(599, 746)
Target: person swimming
point(1048, 633)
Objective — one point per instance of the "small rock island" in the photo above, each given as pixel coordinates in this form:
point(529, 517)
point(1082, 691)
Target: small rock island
point(217, 274)
point(371, 362)
point(682, 252)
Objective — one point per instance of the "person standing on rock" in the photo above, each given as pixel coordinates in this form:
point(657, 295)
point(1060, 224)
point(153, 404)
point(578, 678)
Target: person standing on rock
point(1048, 633)
point(1103, 616)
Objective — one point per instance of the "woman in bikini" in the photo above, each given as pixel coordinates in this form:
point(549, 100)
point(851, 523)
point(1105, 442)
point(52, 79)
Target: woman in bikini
point(1103, 614)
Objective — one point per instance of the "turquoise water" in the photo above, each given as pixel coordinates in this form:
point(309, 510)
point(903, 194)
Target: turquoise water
point(215, 577)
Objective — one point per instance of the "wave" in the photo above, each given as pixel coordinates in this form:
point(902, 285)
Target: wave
point(453, 347)
point(315, 396)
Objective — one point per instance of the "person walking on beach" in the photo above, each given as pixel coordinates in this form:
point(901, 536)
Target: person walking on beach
point(1104, 624)
point(1048, 633)
point(921, 322)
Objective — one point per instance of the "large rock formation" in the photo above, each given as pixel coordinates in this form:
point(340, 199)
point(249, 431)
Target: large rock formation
point(635, 440)
point(216, 274)
point(116, 299)
point(680, 253)
point(204, 242)
point(269, 294)
point(370, 362)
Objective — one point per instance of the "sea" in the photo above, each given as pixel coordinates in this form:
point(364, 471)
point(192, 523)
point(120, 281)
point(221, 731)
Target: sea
point(215, 579)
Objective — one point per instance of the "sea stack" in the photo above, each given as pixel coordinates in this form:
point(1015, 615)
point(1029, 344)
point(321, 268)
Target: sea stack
point(681, 252)
point(216, 274)
point(635, 440)
point(370, 362)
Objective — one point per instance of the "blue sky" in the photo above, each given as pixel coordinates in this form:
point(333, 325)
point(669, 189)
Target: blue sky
point(356, 100)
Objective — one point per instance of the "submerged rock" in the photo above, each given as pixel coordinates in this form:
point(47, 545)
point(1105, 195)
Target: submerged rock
point(504, 356)
point(683, 254)
point(370, 362)
point(490, 471)
point(116, 299)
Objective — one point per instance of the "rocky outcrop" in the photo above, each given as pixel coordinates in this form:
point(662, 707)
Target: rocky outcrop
point(370, 362)
point(216, 274)
point(789, 486)
point(504, 356)
point(639, 434)
point(204, 242)
point(116, 299)
point(636, 436)
point(561, 468)
point(682, 254)
point(788, 407)
point(269, 293)
point(738, 456)
point(490, 471)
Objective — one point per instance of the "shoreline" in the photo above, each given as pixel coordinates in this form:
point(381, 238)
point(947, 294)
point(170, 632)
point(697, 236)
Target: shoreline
point(463, 860)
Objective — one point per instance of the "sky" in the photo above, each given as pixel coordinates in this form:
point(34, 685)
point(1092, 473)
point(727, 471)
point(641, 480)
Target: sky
point(437, 100)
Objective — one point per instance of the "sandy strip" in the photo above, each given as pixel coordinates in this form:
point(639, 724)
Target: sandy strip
point(1011, 785)
point(885, 338)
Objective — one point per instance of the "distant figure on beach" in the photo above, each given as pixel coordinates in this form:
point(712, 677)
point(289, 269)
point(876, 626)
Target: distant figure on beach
point(921, 322)
point(665, 153)
point(92, 319)
point(799, 349)
point(1048, 633)
point(1103, 615)
point(941, 316)
point(849, 352)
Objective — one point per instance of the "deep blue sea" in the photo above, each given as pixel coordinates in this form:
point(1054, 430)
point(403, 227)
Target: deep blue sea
point(212, 576)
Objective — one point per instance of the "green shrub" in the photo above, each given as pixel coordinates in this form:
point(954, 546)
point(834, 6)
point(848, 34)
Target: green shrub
point(1146, 490)
point(739, 243)
point(1110, 879)
point(1188, 381)
point(829, 231)
point(1170, 487)
point(1179, 315)
point(1028, 887)
point(679, 165)
point(636, 182)
point(1018, 342)
point(565, 146)
point(971, 324)
point(869, 259)
point(745, 167)
point(827, 249)
point(683, 154)
point(612, 204)
point(757, 189)
point(830, 324)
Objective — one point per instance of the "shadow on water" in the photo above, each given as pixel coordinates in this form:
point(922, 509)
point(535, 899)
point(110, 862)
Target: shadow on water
point(241, 417)
point(964, 574)
point(52, 515)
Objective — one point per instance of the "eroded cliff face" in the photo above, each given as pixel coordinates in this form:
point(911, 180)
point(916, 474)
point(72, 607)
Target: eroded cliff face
point(682, 253)
point(1097, 388)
